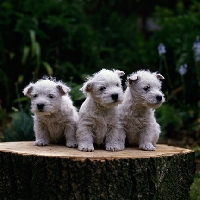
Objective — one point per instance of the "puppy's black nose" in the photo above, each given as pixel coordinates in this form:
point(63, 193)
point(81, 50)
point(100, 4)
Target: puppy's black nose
point(159, 97)
point(40, 106)
point(114, 96)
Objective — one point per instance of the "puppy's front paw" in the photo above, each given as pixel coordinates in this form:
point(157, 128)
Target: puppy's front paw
point(122, 145)
point(111, 147)
point(86, 147)
point(40, 142)
point(147, 147)
point(71, 144)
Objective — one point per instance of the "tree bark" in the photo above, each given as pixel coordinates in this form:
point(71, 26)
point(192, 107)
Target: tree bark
point(57, 172)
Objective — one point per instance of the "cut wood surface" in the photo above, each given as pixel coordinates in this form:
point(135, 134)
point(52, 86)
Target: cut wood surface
point(27, 148)
point(58, 172)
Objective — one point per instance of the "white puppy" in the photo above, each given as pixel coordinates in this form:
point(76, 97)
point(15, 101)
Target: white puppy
point(55, 116)
point(98, 116)
point(141, 97)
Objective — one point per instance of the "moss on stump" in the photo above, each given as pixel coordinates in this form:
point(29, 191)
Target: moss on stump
point(57, 172)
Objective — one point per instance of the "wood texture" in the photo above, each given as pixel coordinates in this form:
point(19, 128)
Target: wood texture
point(58, 172)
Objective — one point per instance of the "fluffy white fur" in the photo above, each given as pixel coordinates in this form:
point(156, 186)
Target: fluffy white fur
point(142, 96)
point(55, 116)
point(99, 116)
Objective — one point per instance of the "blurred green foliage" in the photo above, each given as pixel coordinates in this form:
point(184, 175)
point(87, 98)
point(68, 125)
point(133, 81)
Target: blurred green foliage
point(194, 193)
point(67, 39)
point(179, 31)
point(21, 128)
point(73, 39)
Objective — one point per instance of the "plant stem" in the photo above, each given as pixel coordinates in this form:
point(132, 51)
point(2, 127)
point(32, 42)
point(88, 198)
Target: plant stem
point(167, 72)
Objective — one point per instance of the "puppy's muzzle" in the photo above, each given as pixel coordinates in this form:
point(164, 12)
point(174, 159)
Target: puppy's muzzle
point(40, 106)
point(114, 96)
point(159, 98)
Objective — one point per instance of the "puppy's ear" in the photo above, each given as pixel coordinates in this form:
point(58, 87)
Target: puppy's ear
point(119, 73)
point(159, 76)
point(28, 89)
point(63, 89)
point(87, 87)
point(133, 79)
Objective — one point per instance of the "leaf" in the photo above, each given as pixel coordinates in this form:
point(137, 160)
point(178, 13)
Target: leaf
point(20, 78)
point(48, 68)
point(37, 53)
point(25, 54)
point(33, 43)
point(22, 99)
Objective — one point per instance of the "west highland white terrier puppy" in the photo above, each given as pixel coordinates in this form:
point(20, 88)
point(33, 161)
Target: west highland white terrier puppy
point(142, 96)
point(55, 116)
point(98, 116)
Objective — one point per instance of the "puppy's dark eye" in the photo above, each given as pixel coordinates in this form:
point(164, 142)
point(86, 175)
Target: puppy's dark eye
point(117, 84)
point(102, 88)
point(51, 96)
point(35, 95)
point(147, 88)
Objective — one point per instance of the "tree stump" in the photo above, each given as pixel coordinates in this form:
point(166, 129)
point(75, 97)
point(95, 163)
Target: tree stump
point(57, 172)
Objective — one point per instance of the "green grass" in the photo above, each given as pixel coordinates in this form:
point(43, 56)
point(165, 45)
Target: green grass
point(195, 187)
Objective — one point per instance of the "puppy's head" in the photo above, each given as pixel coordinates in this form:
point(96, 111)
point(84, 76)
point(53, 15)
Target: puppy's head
point(45, 95)
point(145, 88)
point(105, 87)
